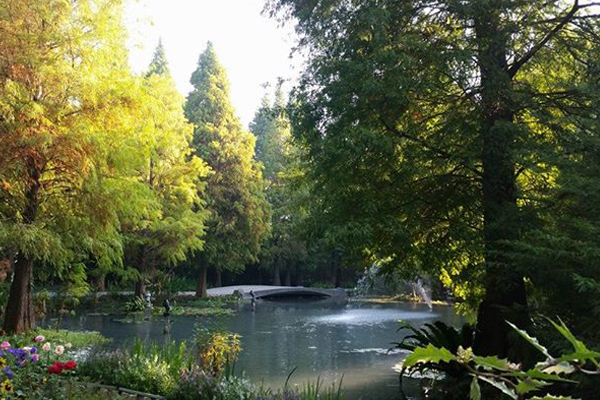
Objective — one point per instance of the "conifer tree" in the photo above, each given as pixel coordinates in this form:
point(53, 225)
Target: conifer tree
point(173, 224)
point(239, 220)
point(159, 64)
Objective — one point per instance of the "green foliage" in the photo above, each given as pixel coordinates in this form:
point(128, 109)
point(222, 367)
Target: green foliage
point(554, 378)
point(135, 304)
point(314, 391)
point(146, 368)
point(206, 311)
point(57, 388)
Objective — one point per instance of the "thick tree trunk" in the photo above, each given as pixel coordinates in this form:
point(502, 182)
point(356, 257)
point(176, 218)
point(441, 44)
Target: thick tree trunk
point(201, 284)
point(505, 297)
point(276, 274)
point(19, 315)
point(288, 277)
point(219, 279)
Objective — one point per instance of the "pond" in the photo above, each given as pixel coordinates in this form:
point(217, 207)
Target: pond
point(319, 338)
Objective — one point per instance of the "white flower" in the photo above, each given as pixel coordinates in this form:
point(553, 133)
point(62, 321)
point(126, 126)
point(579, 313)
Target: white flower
point(46, 346)
point(68, 346)
point(59, 350)
point(27, 349)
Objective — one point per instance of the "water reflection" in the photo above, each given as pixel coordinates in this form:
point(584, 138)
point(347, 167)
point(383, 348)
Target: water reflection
point(318, 338)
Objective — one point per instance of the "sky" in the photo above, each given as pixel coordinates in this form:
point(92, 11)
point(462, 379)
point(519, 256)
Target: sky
point(253, 48)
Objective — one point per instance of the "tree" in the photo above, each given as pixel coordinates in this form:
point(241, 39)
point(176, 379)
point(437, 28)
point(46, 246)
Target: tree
point(274, 151)
point(67, 102)
point(239, 220)
point(424, 122)
point(173, 224)
point(159, 64)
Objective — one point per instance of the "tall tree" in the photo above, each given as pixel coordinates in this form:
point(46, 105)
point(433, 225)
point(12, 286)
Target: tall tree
point(422, 121)
point(239, 220)
point(274, 150)
point(173, 224)
point(67, 107)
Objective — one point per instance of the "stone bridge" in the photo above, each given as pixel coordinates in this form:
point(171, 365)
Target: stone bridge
point(296, 292)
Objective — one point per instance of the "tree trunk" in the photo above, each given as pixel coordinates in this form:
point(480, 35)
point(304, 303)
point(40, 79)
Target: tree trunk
point(140, 285)
point(140, 288)
point(101, 283)
point(19, 315)
point(276, 274)
point(288, 277)
point(201, 284)
point(219, 279)
point(505, 297)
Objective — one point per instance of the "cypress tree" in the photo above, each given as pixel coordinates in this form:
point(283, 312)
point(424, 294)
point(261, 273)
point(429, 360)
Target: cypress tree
point(159, 64)
point(240, 215)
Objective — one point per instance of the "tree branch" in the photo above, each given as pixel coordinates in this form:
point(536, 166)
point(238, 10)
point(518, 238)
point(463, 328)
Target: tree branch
point(441, 153)
point(514, 68)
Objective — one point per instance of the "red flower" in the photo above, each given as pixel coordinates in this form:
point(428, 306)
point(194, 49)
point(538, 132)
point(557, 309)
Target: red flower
point(70, 364)
point(56, 368)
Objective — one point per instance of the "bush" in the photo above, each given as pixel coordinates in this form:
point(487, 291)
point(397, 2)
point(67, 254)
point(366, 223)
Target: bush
point(150, 369)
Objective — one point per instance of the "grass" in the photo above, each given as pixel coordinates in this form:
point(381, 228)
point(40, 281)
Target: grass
point(79, 340)
point(195, 311)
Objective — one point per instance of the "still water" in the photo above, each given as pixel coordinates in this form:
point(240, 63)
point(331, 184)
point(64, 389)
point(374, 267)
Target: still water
point(319, 338)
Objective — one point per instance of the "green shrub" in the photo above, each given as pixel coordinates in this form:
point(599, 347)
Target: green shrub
point(151, 369)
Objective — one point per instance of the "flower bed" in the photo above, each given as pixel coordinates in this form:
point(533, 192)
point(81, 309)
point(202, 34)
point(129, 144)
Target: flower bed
point(34, 367)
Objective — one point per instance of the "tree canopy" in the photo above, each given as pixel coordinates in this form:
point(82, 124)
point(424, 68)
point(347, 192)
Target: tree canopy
point(431, 126)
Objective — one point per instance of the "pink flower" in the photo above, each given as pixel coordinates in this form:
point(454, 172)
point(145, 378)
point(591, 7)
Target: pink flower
point(5, 345)
point(35, 357)
point(46, 346)
point(40, 338)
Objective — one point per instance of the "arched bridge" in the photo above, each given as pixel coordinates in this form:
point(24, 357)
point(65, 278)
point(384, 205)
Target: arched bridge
point(296, 292)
